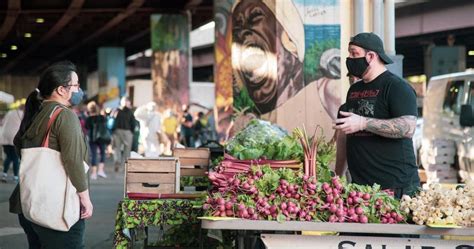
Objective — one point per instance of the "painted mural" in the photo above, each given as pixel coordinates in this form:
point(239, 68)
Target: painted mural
point(170, 64)
point(223, 65)
point(281, 47)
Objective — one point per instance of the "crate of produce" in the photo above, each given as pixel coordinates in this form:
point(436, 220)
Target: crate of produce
point(193, 161)
point(152, 176)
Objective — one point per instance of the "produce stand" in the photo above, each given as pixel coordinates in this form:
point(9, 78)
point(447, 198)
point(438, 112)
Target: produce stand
point(353, 228)
point(135, 215)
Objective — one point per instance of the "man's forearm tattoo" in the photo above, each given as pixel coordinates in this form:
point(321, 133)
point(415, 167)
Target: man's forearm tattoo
point(401, 127)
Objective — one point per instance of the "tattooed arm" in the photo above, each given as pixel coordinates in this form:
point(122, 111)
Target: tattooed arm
point(401, 127)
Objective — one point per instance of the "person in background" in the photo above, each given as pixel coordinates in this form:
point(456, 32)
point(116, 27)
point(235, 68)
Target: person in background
point(170, 126)
point(11, 125)
point(187, 128)
point(378, 121)
point(95, 123)
point(58, 87)
point(82, 115)
point(150, 128)
point(200, 129)
point(123, 129)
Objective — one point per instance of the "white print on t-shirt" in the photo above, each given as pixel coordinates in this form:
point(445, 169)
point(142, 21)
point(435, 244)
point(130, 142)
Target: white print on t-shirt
point(366, 108)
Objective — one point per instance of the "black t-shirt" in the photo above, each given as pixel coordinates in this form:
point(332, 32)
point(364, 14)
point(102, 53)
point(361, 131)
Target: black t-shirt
point(372, 158)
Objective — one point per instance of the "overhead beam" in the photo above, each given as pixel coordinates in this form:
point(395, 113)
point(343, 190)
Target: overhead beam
point(131, 8)
point(14, 7)
point(86, 10)
point(72, 11)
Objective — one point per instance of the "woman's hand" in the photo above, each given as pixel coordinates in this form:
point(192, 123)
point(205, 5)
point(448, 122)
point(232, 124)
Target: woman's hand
point(86, 205)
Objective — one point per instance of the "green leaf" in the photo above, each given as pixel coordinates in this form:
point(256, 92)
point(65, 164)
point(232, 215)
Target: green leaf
point(281, 218)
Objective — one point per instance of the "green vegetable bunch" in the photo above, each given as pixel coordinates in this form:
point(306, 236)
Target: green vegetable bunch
point(261, 139)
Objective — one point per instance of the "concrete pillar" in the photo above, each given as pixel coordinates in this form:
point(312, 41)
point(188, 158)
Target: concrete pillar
point(358, 16)
point(111, 69)
point(389, 36)
point(377, 18)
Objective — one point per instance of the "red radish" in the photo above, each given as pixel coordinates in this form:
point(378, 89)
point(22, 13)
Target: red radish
point(241, 206)
point(354, 218)
point(283, 206)
point(339, 213)
point(350, 201)
point(333, 218)
point(332, 208)
point(251, 211)
point(359, 210)
point(220, 201)
point(228, 205)
point(363, 219)
point(329, 198)
point(273, 209)
point(366, 196)
point(291, 209)
point(351, 211)
point(400, 218)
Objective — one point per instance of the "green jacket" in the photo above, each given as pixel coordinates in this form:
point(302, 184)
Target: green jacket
point(66, 137)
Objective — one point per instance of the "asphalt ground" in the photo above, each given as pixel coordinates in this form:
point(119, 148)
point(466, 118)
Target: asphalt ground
point(105, 195)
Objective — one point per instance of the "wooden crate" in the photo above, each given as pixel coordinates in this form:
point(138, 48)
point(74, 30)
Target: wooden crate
point(152, 176)
point(192, 161)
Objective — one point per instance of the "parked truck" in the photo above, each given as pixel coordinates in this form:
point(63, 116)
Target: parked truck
point(447, 152)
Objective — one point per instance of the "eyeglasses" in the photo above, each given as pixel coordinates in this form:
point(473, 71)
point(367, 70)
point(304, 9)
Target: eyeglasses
point(78, 85)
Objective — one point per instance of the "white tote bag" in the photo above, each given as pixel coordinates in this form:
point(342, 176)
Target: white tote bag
point(48, 197)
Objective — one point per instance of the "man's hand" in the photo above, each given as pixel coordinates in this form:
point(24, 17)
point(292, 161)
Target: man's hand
point(351, 123)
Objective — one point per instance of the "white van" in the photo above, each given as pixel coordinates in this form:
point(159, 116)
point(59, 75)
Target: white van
point(448, 126)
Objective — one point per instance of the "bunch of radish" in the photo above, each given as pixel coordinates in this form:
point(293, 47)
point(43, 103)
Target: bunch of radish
point(283, 194)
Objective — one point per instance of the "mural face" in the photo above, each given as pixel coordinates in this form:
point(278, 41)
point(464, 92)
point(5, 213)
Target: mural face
point(279, 47)
point(258, 54)
point(170, 65)
point(280, 58)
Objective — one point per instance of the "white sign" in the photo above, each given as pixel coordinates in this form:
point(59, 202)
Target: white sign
point(283, 241)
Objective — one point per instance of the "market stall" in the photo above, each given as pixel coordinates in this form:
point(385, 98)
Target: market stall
point(258, 187)
point(271, 181)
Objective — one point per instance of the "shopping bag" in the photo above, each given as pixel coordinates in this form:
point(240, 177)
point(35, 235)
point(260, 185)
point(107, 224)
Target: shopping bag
point(48, 197)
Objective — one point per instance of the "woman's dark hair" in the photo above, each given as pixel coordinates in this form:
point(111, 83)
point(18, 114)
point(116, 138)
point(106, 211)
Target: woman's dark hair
point(56, 75)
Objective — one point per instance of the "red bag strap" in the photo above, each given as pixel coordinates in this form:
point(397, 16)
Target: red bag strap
point(52, 118)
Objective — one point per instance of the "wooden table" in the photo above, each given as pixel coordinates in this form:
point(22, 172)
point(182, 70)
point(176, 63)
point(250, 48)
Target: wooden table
point(242, 225)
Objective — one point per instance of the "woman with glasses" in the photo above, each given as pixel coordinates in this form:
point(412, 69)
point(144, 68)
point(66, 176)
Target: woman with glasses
point(58, 87)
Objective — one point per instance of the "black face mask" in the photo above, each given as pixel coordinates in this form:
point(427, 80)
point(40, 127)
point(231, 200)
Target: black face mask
point(357, 66)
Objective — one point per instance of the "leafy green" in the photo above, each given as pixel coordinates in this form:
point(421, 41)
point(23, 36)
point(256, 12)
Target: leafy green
point(326, 154)
point(261, 139)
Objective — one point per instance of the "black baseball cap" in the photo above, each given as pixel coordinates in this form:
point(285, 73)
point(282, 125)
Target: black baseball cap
point(372, 42)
